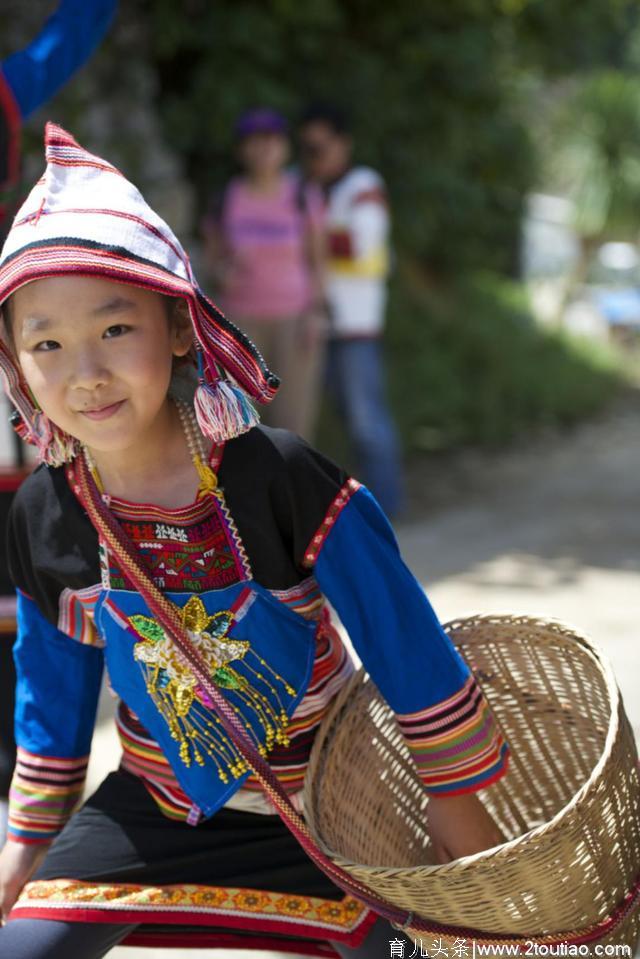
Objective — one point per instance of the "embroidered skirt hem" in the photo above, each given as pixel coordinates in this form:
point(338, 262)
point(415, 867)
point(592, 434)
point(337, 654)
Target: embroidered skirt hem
point(239, 877)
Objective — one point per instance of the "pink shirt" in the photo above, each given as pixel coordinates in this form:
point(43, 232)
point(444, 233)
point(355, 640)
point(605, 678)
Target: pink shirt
point(270, 277)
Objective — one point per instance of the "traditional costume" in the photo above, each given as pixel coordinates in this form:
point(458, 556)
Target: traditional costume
point(181, 839)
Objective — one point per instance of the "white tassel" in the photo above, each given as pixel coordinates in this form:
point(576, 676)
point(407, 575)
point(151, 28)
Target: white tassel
point(223, 410)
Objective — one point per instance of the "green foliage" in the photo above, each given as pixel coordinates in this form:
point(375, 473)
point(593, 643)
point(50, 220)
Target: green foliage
point(597, 161)
point(437, 90)
point(434, 89)
point(471, 366)
point(560, 37)
point(426, 85)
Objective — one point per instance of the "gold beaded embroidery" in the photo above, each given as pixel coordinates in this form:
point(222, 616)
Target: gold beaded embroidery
point(182, 702)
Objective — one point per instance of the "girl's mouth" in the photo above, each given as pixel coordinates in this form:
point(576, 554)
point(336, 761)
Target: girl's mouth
point(103, 412)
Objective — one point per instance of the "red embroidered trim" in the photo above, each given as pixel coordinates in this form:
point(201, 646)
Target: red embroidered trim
point(248, 909)
point(317, 540)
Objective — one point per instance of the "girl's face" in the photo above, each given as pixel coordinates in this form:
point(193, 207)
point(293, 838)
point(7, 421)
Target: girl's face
point(97, 356)
point(264, 153)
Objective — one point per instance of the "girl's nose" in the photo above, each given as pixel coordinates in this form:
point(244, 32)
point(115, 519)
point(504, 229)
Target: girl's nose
point(88, 372)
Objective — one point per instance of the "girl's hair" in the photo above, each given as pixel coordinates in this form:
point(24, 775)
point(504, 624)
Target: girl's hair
point(332, 115)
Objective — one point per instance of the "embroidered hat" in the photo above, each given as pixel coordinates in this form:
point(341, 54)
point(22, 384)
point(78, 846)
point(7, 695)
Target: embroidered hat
point(84, 217)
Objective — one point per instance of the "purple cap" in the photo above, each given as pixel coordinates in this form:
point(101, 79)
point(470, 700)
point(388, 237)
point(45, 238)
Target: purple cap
point(262, 120)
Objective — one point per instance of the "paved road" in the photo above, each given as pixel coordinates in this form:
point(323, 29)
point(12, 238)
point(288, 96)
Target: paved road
point(552, 530)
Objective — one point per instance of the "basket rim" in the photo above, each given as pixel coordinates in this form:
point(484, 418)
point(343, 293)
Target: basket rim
point(506, 849)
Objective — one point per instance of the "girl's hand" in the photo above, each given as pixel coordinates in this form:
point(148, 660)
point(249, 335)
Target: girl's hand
point(460, 826)
point(18, 862)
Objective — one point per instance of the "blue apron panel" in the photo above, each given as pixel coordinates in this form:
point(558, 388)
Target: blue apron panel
point(260, 656)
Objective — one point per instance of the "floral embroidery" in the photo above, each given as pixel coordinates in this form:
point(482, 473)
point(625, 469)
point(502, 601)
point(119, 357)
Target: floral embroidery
point(193, 903)
point(294, 906)
point(180, 699)
point(251, 901)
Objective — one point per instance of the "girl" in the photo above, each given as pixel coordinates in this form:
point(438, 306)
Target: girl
point(244, 530)
point(266, 248)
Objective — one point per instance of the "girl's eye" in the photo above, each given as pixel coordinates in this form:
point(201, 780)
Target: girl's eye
point(45, 346)
point(116, 330)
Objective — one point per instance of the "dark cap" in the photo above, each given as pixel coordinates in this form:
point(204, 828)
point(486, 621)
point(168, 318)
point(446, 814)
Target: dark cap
point(262, 120)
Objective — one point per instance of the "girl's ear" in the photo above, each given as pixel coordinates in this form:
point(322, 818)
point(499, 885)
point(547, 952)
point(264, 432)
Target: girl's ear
point(181, 328)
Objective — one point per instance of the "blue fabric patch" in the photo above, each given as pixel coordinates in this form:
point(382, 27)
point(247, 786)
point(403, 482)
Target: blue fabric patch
point(281, 637)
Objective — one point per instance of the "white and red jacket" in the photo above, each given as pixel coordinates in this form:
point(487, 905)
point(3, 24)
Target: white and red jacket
point(358, 228)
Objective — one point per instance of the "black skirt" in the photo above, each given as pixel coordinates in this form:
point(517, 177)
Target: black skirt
point(119, 859)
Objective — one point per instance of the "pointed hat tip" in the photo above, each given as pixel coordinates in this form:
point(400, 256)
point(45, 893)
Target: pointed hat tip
point(55, 135)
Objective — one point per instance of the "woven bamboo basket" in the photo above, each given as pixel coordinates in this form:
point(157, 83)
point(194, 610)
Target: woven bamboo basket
point(569, 805)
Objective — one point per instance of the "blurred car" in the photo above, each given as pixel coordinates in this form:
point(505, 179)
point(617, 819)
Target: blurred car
point(611, 293)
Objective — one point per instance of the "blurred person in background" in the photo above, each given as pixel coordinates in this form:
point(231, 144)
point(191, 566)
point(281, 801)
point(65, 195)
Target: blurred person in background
point(356, 292)
point(265, 250)
point(28, 78)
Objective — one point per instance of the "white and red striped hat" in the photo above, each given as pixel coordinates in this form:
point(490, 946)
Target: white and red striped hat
point(83, 216)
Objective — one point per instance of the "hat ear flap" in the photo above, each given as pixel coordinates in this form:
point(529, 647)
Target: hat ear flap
point(54, 446)
point(224, 347)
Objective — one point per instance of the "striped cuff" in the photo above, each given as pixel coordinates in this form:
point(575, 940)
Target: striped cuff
point(456, 744)
point(44, 792)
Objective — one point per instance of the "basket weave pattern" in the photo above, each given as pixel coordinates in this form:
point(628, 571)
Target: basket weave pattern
point(569, 805)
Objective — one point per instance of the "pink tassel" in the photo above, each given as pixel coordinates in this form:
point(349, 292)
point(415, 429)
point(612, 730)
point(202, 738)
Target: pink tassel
point(223, 410)
point(54, 446)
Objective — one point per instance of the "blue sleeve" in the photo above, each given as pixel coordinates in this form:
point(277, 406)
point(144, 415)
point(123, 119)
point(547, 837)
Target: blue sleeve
point(57, 690)
point(58, 684)
point(441, 710)
point(391, 622)
point(66, 41)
